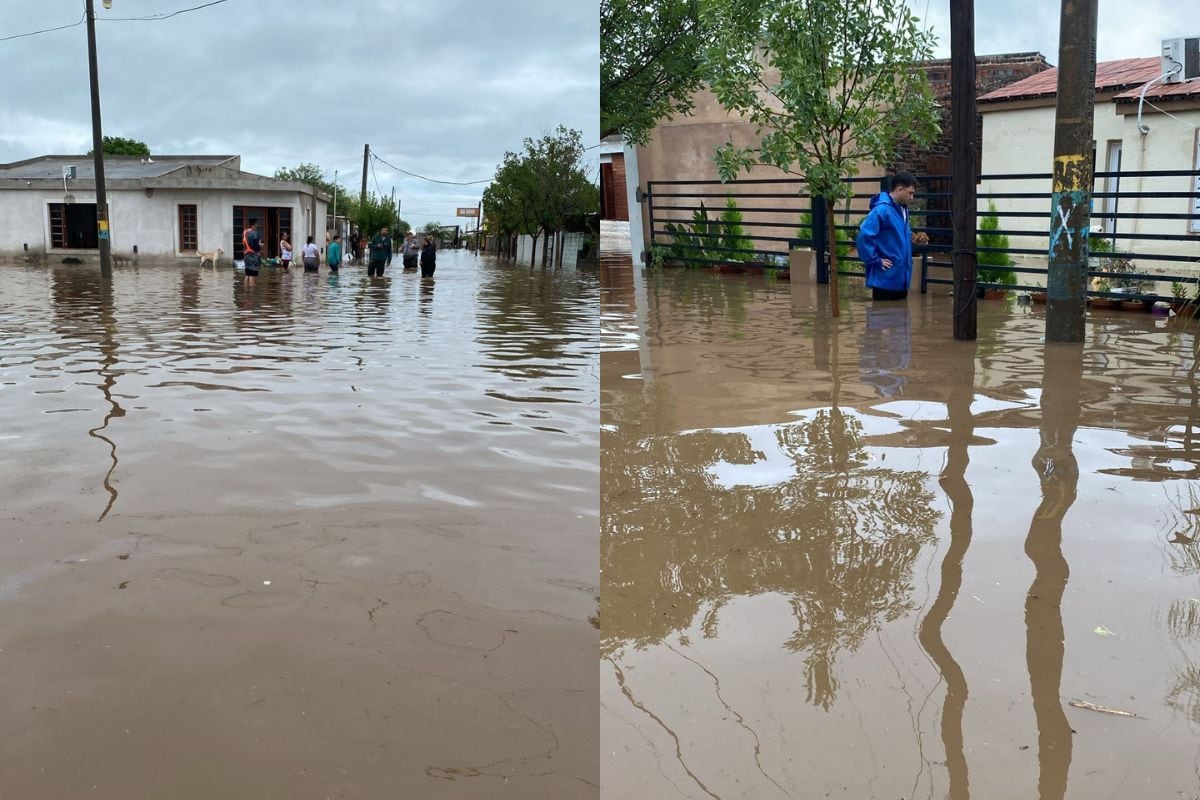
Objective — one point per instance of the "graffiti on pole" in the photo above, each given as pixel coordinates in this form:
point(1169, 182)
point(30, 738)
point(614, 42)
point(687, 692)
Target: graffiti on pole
point(1070, 208)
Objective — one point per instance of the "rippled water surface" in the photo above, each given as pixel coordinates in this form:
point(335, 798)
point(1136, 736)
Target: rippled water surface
point(322, 536)
point(855, 558)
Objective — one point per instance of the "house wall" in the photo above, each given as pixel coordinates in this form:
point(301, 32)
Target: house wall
point(148, 219)
point(682, 148)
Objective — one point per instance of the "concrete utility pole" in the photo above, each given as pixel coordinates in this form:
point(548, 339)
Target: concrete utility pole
point(98, 148)
point(1070, 214)
point(963, 148)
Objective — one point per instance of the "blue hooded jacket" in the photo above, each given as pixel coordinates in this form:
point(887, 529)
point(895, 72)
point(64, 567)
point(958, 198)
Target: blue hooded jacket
point(885, 234)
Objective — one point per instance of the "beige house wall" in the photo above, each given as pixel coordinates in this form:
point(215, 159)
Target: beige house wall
point(683, 148)
point(1021, 140)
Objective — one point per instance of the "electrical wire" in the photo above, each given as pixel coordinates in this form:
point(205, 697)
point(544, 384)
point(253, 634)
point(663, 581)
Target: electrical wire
point(378, 191)
point(82, 17)
point(422, 177)
point(1172, 116)
point(160, 17)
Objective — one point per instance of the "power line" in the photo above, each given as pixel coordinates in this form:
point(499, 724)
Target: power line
point(159, 17)
point(422, 177)
point(82, 17)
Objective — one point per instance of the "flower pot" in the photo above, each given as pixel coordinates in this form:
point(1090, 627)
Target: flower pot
point(995, 294)
point(1136, 305)
point(1038, 297)
point(1104, 302)
point(783, 274)
point(1183, 308)
point(731, 268)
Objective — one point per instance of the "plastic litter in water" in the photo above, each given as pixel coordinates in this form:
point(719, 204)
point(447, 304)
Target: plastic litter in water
point(1102, 631)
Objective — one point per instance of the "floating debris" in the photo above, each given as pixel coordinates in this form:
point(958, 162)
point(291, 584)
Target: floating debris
point(1102, 709)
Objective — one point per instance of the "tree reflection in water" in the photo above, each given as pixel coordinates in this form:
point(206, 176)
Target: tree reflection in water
point(838, 538)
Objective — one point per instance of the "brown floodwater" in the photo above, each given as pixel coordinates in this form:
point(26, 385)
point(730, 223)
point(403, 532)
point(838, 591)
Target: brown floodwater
point(322, 537)
point(855, 558)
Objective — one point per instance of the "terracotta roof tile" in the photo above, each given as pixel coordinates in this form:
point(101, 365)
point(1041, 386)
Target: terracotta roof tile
point(1110, 75)
point(1170, 91)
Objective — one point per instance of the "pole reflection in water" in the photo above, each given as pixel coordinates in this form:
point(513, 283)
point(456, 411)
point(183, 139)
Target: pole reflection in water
point(961, 377)
point(108, 353)
point(1058, 473)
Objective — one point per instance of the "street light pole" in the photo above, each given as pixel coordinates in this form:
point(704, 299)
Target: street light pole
point(98, 148)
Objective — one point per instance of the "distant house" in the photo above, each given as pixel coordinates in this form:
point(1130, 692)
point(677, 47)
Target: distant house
point(161, 208)
point(1018, 137)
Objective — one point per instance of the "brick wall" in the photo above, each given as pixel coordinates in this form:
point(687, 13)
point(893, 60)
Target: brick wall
point(991, 73)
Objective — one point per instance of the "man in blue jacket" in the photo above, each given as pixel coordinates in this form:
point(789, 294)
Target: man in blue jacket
point(885, 240)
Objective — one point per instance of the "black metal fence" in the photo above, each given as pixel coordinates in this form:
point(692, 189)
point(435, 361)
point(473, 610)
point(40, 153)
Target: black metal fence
point(1145, 223)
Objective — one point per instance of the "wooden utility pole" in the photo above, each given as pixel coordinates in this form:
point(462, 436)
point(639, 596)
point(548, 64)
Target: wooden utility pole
point(963, 148)
point(362, 199)
point(102, 231)
point(1071, 214)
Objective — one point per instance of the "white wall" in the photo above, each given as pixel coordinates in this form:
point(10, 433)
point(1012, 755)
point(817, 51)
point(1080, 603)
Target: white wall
point(149, 221)
point(1022, 141)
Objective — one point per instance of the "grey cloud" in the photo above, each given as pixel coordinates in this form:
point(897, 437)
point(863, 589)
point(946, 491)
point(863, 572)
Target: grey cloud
point(440, 89)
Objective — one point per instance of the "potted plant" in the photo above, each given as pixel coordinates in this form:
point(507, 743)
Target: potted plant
point(1181, 304)
point(1104, 285)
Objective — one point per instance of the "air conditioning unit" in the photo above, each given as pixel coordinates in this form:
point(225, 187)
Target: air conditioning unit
point(1183, 56)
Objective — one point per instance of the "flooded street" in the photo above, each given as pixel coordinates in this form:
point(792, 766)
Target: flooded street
point(855, 559)
point(337, 536)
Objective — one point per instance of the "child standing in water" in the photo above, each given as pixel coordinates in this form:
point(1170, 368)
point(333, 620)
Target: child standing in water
point(285, 252)
point(333, 255)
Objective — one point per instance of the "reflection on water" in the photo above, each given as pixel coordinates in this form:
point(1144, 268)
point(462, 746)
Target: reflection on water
point(828, 567)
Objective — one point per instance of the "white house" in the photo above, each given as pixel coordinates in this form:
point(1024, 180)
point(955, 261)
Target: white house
point(165, 208)
point(1018, 137)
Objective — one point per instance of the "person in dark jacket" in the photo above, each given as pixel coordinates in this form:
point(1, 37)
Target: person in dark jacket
point(381, 253)
point(885, 240)
point(428, 258)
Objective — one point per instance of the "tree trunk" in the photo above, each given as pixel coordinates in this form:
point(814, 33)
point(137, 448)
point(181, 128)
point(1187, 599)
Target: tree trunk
point(545, 245)
point(533, 249)
point(834, 309)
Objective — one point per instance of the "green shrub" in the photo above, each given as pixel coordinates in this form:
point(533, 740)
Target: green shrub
point(842, 237)
point(733, 236)
point(991, 263)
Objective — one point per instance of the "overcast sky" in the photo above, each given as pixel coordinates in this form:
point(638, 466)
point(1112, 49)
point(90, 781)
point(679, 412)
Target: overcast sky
point(1124, 29)
point(440, 88)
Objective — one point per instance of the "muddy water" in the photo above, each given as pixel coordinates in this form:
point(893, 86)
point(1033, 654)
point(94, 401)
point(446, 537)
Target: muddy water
point(858, 559)
point(325, 537)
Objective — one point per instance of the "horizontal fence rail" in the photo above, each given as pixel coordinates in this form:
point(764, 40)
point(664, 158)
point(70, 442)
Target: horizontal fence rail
point(1145, 227)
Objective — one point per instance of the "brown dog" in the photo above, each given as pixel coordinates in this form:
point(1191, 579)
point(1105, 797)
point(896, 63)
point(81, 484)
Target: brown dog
point(212, 257)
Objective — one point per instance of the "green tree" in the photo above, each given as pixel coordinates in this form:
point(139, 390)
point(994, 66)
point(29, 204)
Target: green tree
point(829, 82)
point(120, 146)
point(313, 176)
point(542, 190)
point(649, 63)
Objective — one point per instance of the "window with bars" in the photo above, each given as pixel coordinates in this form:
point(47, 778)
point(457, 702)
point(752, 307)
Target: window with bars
point(188, 229)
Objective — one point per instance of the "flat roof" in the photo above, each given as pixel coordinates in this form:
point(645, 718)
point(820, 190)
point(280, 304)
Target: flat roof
point(115, 167)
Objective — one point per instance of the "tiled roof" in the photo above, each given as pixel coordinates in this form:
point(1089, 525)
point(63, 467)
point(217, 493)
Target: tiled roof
point(1110, 75)
point(1169, 91)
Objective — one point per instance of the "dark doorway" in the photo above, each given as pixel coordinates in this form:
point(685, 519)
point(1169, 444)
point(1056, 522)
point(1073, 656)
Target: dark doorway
point(73, 226)
point(272, 223)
